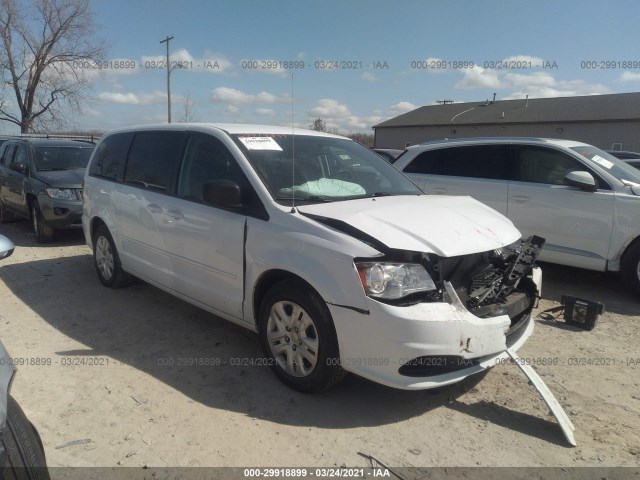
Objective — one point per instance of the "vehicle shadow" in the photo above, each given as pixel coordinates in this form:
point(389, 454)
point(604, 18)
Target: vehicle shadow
point(603, 287)
point(207, 359)
point(21, 234)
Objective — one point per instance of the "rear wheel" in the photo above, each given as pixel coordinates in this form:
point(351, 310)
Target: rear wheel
point(107, 260)
point(42, 231)
point(299, 338)
point(25, 455)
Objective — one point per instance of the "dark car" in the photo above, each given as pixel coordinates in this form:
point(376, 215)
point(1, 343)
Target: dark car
point(632, 158)
point(21, 451)
point(389, 154)
point(41, 180)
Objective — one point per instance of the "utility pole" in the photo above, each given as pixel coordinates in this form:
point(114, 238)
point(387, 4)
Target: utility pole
point(166, 40)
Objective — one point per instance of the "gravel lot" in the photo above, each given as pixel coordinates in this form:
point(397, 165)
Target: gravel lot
point(108, 379)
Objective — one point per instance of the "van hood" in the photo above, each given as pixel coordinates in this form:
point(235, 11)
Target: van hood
point(442, 224)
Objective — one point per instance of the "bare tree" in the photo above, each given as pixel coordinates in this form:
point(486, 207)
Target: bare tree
point(189, 109)
point(48, 59)
point(318, 125)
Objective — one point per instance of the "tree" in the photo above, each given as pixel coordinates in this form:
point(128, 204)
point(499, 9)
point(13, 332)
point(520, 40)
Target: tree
point(189, 113)
point(318, 125)
point(48, 59)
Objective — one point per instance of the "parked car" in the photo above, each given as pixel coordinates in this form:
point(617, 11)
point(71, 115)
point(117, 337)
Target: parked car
point(332, 256)
point(40, 179)
point(21, 451)
point(389, 154)
point(582, 200)
point(632, 158)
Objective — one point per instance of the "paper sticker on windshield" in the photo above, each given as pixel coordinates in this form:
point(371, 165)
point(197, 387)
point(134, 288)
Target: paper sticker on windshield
point(602, 161)
point(260, 143)
point(344, 157)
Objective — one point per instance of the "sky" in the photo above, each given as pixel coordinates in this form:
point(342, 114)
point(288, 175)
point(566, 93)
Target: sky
point(352, 63)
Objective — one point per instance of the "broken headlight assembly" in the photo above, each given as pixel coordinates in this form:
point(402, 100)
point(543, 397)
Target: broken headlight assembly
point(391, 281)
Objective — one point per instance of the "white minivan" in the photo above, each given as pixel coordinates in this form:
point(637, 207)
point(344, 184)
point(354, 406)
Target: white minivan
point(337, 260)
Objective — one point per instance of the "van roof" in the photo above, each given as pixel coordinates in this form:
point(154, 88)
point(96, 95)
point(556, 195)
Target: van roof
point(230, 128)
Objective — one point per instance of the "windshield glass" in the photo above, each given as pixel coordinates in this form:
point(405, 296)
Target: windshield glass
point(326, 169)
point(614, 166)
point(61, 158)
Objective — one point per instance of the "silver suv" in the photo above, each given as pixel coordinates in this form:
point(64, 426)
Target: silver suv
point(582, 200)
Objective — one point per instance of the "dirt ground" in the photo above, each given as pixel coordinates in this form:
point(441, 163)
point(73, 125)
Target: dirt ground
point(129, 378)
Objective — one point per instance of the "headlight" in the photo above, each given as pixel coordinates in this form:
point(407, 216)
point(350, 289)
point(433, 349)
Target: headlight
point(393, 280)
point(63, 193)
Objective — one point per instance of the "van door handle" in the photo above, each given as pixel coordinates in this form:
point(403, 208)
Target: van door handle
point(175, 214)
point(520, 198)
point(440, 191)
point(153, 208)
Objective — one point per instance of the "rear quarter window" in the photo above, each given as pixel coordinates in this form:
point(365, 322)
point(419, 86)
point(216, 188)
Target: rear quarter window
point(110, 156)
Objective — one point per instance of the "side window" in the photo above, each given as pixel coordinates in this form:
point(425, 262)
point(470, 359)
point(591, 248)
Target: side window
point(429, 162)
point(478, 161)
point(109, 158)
point(153, 159)
point(543, 165)
point(206, 159)
point(21, 155)
point(7, 155)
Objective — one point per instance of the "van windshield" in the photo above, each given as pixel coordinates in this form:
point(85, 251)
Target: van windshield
point(321, 169)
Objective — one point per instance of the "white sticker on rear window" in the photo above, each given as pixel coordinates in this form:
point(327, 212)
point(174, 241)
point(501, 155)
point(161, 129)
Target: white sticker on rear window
point(260, 143)
point(602, 161)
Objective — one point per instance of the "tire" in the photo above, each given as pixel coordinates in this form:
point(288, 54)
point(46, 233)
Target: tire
point(293, 319)
point(107, 260)
point(25, 455)
point(5, 215)
point(42, 231)
point(630, 267)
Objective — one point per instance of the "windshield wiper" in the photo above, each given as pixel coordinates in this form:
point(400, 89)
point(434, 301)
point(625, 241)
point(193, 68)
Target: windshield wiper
point(54, 169)
point(312, 198)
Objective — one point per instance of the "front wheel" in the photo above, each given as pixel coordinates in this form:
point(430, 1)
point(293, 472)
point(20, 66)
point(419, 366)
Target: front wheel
point(299, 338)
point(24, 453)
point(107, 260)
point(42, 231)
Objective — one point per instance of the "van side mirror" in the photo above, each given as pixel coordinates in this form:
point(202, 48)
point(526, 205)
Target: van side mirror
point(581, 180)
point(19, 167)
point(222, 193)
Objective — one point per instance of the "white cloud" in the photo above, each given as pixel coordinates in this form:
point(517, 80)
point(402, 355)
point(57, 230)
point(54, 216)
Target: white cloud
point(233, 96)
point(328, 107)
point(402, 107)
point(524, 59)
point(131, 98)
point(338, 116)
point(369, 77)
point(478, 77)
point(630, 77)
point(265, 112)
